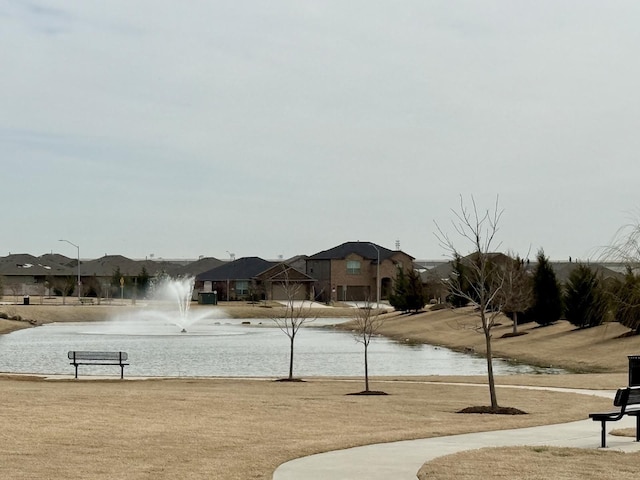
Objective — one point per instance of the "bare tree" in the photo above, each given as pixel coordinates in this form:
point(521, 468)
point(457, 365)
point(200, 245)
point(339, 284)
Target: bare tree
point(93, 286)
point(367, 323)
point(65, 286)
point(516, 295)
point(624, 294)
point(16, 290)
point(296, 313)
point(41, 288)
point(479, 229)
point(625, 245)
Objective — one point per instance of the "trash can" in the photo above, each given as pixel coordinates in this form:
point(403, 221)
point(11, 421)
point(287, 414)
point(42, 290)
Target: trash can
point(25, 300)
point(634, 370)
point(208, 298)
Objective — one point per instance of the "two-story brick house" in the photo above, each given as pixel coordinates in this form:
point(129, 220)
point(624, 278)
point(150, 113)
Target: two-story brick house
point(349, 271)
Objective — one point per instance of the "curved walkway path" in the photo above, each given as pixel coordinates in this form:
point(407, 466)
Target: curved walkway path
point(402, 460)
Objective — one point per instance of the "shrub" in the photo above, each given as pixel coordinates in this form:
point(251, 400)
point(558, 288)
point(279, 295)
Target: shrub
point(584, 299)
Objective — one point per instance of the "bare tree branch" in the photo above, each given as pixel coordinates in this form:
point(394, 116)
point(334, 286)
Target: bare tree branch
point(296, 313)
point(367, 323)
point(485, 281)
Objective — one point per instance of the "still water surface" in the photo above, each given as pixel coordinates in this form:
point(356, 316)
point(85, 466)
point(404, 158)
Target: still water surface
point(228, 349)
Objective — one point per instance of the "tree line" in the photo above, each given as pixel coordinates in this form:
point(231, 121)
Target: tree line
point(531, 293)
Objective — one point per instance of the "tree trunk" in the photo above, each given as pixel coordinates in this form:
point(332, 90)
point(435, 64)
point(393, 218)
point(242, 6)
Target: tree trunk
point(492, 383)
point(515, 323)
point(291, 359)
point(366, 369)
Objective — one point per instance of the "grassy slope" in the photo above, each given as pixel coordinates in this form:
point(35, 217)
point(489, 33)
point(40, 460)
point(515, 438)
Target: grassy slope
point(599, 349)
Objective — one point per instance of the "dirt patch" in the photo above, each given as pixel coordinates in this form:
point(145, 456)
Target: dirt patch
point(493, 410)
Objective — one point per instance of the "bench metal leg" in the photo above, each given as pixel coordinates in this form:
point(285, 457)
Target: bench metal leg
point(76, 365)
point(603, 435)
point(637, 428)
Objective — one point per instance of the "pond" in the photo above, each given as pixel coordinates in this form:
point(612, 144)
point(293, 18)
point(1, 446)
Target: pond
point(231, 348)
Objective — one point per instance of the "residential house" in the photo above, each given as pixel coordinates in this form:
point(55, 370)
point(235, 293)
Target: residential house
point(349, 272)
point(285, 282)
point(98, 275)
point(255, 278)
point(25, 274)
point(49, 274)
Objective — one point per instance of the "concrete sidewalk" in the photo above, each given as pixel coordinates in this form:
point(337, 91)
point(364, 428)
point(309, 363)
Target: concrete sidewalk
point(402, 460)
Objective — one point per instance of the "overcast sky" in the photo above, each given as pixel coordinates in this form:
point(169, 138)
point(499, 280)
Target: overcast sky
point(271, 128)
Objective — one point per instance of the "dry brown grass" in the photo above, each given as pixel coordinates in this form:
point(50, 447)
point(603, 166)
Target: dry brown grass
point(592, 350)
point(533, 463)
point(232, 429)
point(74, 312)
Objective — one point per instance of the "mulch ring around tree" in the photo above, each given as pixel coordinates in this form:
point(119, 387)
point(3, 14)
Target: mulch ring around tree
point(369, 392)
point(496, 411)
point(289, 380)
point(512, 334)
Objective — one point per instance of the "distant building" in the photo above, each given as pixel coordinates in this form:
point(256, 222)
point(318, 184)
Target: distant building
point(253, 278)
point(348, 272)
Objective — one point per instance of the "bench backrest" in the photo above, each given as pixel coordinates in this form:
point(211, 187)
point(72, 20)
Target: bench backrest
point(627, 396)
point(98, 356)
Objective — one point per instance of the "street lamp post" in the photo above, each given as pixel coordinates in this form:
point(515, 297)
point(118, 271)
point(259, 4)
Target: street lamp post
point(78, 248)
point(377, 276)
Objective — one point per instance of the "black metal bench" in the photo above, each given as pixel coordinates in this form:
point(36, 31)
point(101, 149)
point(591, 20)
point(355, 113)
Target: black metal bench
point(98, 358)
point(628, 399)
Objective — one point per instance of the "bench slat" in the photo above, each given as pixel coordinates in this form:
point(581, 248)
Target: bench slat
point(97, 356)
point(634, 396)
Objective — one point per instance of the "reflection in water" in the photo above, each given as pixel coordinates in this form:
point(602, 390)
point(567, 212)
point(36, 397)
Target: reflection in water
point(227, 348)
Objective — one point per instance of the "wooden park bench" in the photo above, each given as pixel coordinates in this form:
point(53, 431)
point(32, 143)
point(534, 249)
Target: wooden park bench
point(98, 358)
point(84, 301)
point(628, 401)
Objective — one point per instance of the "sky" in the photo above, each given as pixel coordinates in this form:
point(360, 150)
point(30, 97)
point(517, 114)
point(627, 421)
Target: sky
point(210, 128)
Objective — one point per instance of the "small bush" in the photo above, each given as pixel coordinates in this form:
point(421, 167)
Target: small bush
point(438, 306)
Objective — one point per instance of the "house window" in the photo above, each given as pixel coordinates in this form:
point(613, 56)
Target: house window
point(242, 287)
point(353, 267)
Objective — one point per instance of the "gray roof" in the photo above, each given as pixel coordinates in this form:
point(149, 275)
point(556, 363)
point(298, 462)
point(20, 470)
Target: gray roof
point(199, 266)
point(364, 249)
point(244, 268)
point(561, 269)
point(564, 269)
point(24, 264)
point(109, 264)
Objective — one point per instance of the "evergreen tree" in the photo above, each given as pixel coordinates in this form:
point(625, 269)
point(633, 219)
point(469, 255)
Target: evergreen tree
point(143, 282)
point(398, 299)
point(115, 278)
point(584, 300)
point(458, 283)
point(547, 297)
point(415, 299)
point(626, 295)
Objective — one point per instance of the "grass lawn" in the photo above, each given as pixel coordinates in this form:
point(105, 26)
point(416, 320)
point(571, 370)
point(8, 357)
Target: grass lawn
point(241, 429)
